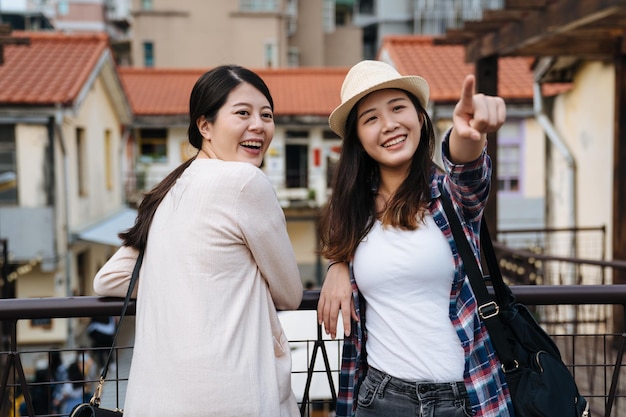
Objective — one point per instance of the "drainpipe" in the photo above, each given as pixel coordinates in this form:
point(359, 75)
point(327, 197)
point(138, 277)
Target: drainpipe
point(68, 238)
point(570, 187)
point(556, 140)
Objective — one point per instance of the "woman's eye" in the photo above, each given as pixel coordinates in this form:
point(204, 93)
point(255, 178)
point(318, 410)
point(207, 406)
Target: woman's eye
point(369, 119)
point(399, 107)
point(243, 112)
point(268, 115)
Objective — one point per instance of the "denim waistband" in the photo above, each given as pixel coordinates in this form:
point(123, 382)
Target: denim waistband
point(422, 387)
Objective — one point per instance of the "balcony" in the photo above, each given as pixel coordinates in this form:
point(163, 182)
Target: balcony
point(593, 352)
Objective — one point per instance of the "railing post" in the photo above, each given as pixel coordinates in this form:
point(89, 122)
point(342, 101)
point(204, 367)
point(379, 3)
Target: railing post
point(319, 343)
point(13, 362)
point(618, 364)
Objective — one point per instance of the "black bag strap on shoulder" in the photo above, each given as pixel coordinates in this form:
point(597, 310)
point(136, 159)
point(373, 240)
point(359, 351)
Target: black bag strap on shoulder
point(95, 400)
point(488, 309)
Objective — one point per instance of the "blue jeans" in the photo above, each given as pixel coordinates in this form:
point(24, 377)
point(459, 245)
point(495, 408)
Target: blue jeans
point(383, 395)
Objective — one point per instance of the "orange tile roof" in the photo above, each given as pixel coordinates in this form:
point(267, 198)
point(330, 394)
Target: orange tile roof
point(51, 70)
point(304, 91)
point(444, 67)
point(316, 91)
point(297, 91)
point(154, 92)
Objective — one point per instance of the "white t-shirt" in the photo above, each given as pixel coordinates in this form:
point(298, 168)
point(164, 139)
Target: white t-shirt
point(405, 278)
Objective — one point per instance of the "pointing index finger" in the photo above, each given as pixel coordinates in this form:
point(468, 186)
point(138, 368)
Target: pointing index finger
point(467, 92)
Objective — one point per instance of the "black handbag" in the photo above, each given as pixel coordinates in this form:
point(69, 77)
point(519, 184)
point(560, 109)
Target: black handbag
point(92, 408)
point(539, 382)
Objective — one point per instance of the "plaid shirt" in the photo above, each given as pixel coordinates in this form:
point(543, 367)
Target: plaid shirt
point(468, 187)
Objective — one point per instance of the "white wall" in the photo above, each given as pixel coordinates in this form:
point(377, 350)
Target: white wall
point(586, 125)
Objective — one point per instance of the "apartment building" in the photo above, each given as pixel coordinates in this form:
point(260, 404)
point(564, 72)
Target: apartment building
point(253, 33)
point(381, 18)
point(62, 116)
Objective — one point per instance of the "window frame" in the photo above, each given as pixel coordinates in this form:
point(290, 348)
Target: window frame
point(155, 140)
point(511, 140)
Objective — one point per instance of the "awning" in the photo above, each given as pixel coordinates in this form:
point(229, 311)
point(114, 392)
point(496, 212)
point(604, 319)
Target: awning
point(106, 231)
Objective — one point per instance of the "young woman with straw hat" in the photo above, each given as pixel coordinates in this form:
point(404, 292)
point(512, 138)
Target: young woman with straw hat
point(423, 351)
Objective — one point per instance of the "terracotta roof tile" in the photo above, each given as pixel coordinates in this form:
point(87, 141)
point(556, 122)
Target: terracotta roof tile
point(51, 70)
point(316, 91)
point(158, 91)
point(304, 91)
point(444, 67)
point(298, 91)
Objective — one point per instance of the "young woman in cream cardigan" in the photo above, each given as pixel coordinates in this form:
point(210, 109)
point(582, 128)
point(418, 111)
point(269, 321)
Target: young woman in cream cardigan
point(218, 263)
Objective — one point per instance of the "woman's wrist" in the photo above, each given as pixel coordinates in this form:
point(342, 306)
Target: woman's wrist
point(331, 263)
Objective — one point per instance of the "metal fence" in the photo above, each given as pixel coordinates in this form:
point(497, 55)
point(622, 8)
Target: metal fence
point(594, 358)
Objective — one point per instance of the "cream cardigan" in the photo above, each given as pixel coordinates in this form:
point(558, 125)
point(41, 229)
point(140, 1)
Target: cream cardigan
point(218, 263)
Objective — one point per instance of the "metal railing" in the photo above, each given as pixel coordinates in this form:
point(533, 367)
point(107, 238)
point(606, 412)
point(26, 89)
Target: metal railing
point(595, 358)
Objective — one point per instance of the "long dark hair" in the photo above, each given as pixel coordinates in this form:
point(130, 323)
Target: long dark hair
point(207, 97)
point(350, 211)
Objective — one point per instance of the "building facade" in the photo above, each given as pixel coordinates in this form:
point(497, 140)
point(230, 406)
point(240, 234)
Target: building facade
point(63, 114)
point(253, 33)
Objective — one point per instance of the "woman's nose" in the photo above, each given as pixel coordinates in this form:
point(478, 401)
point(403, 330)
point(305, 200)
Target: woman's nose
point(389, 124)
point(256, 123)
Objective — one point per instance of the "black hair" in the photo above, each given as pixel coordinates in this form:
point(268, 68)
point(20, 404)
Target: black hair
point(208, 95)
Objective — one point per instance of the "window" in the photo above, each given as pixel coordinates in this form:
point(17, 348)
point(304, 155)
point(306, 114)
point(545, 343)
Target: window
point(297, 166)
point(333, 152)
point(271, 54)
point(148, 54)
point(63, 7)
point(108, 160)
point(366, 7)
point(291, 11)
point(329, 16)
point(259, 5)
point(510, 157)
point(508, 167)
point(8, 165)
point(293, 57)
point(297, 159)
point(332, 161)
point(153, 145)
point(81, 162)
point(81, 273)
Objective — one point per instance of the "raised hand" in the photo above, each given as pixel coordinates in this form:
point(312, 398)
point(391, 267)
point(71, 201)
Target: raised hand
point(474, 116)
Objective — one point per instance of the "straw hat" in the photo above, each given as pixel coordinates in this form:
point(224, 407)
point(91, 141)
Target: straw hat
point(369, 76)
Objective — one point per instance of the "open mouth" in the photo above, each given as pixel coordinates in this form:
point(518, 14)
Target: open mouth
point(252, 144)
point(394, 141)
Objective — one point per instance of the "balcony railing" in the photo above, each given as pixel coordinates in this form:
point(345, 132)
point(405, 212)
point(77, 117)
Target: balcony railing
point(594, 358)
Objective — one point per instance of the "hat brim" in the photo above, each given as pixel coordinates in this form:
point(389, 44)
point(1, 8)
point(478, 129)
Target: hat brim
point(413, 84)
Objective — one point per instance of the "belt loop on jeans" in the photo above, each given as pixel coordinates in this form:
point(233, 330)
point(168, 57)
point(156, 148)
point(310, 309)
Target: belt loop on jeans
point(455, 389)
point(381, 387)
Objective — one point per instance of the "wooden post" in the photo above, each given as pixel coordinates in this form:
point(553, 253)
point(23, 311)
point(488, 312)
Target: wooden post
point(487, 83)
point(619, 177)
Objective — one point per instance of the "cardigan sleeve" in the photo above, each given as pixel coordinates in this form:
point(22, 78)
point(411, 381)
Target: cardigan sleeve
point(113, 278)
point(264, 229)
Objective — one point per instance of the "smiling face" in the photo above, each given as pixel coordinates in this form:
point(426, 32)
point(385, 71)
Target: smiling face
point(389, 128)
point(243, 127)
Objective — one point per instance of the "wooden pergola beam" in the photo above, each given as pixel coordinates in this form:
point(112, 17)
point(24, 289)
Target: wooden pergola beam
point(542, 24)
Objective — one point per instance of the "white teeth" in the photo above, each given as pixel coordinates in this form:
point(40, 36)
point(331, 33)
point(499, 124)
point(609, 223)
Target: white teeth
point(394, 141)
point(251, 144)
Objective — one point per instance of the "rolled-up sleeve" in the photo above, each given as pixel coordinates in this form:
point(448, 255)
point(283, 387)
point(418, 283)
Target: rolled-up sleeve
point(113, 278)
point(469, 183)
